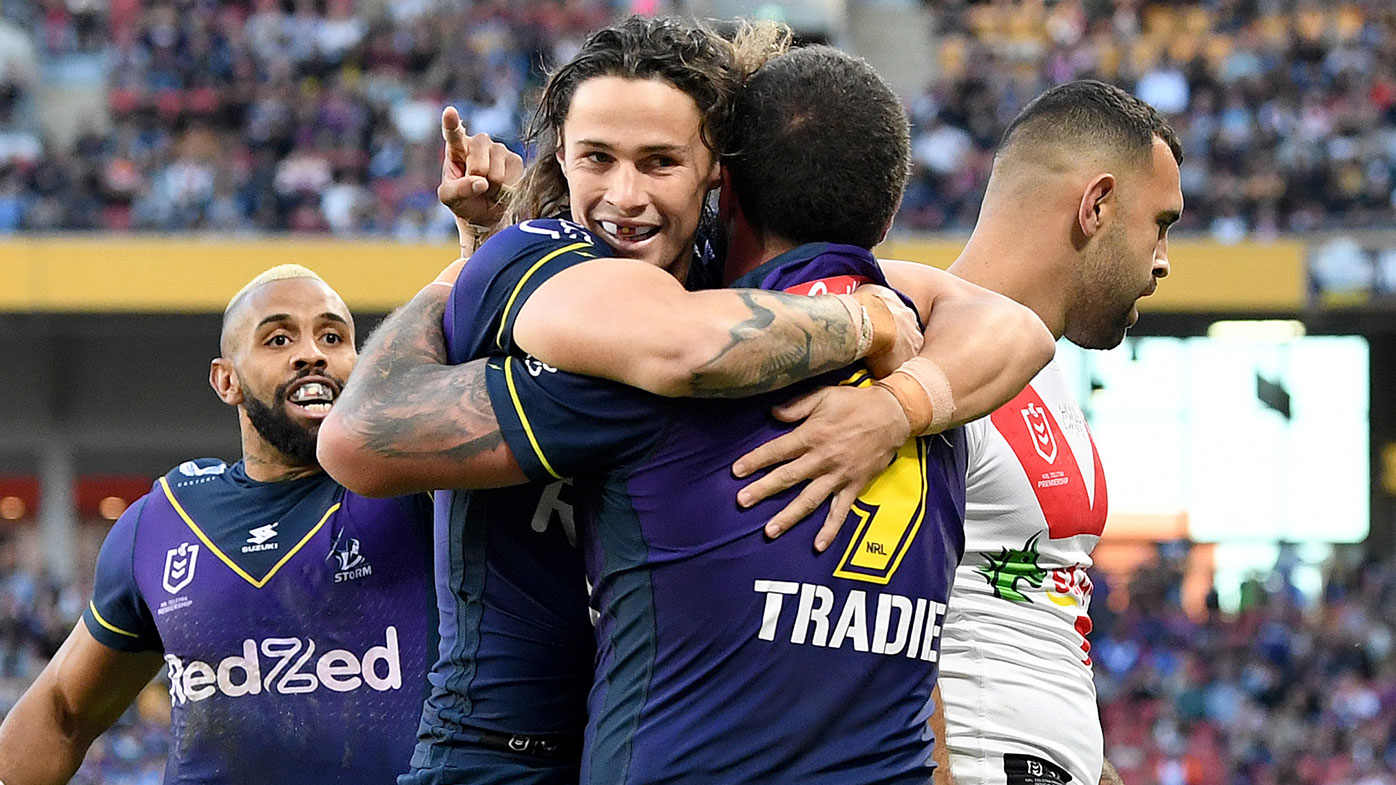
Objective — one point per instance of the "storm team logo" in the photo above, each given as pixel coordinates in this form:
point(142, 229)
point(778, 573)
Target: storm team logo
point(179, 567)
point(350, 564)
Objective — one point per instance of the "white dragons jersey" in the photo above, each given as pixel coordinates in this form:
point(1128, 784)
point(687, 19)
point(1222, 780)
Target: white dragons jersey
point(1015, 673)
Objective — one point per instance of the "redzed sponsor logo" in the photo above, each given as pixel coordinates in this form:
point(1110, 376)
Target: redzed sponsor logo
point(290, 668)
point(838, 284)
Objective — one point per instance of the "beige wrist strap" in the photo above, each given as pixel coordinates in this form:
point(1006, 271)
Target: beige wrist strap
point(882, 336)
point(924, 392)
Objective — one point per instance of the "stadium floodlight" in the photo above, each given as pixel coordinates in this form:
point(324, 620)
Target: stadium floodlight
point(1258, 330)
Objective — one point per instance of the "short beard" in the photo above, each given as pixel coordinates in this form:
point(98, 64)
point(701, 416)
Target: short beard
point(1109, 322)
point(295, 441)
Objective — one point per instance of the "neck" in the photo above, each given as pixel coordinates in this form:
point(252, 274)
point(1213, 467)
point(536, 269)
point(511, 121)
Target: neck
point(1019, 259)
point(748, 250)
point(265, 463)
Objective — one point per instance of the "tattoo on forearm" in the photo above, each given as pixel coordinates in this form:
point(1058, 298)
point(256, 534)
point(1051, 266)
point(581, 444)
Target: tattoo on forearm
point(787, 338)
point(406, 402)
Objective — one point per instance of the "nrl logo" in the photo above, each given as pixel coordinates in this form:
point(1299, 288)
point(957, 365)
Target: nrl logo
point(179, 567)
point(1040, 429)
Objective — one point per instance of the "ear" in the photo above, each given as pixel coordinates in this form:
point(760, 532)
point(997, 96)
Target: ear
point(726, 199)
point(224, 382)
point(561, 149)
point(1098, 205)
point(715, 174)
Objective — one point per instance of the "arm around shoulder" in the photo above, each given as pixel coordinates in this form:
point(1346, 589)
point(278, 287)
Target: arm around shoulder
point(988, 346)
point(633, 323)
point(407, 421)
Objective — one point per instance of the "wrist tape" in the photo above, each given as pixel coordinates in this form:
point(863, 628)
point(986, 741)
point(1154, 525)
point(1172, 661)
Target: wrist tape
point(882, 337)
point(920, 386)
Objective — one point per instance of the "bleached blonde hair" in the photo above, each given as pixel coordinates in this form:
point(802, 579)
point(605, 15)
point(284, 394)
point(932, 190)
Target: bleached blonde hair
point(281, 272)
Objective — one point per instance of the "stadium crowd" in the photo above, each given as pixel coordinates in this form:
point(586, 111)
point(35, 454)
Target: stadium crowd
point(1287, 690)
point(320, 116)
point(310, 117)
point(1286, 109)
point(36, 613)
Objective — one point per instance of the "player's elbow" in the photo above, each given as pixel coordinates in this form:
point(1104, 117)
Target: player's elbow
point(344, 454)
point(671, 360)
point(687, 364)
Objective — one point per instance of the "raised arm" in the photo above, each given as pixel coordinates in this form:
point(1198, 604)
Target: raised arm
point(633, 323)
point(79, 694)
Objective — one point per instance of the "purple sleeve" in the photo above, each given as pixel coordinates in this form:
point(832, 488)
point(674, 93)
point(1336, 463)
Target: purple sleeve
point(117, 616)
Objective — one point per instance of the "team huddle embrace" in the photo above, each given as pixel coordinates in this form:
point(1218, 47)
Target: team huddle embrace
point(668, 478)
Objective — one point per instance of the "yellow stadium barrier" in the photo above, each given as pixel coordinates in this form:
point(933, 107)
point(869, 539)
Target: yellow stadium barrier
point(191, 274)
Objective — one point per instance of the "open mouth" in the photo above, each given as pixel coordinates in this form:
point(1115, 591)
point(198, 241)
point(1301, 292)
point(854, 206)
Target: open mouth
point(313, 397)
point(628, 233)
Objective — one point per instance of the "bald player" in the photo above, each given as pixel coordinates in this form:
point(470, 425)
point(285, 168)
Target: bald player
point(295, 617)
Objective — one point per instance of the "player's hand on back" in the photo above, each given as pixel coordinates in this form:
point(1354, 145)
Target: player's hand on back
point(848, 437)
point(476, 173)
point(909, 334)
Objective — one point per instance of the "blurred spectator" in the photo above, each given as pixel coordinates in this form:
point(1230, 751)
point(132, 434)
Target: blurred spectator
point(1287, 690)
point(270, 115)
point(1285, 107)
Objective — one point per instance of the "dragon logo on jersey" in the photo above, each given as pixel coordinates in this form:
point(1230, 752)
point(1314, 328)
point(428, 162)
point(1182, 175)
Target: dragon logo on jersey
point(1040, 429)
point(179, 567)
point(1005, 570)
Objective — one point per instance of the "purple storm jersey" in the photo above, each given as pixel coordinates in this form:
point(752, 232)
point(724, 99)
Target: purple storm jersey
point(295, 618)
point(724, 657)
point(508, 695)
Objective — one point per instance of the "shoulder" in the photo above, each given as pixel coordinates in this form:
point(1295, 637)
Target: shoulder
point(534, 241)
point(196, 471)
point(413, 507)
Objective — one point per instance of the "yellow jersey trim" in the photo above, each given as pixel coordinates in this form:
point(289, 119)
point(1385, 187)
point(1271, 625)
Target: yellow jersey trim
point(523, 418)
point(169, 494)
point(504, 315)
point(108, 624)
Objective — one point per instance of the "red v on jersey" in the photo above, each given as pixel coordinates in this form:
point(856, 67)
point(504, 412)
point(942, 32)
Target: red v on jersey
point(1031, 430)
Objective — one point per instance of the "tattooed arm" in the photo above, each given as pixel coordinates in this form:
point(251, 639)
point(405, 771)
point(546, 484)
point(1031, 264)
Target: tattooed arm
point(634, 323)
point(408, 422)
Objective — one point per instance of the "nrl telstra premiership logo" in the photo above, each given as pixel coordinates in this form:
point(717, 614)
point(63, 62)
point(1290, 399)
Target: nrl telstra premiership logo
point(1040, 429)
point(179, 567)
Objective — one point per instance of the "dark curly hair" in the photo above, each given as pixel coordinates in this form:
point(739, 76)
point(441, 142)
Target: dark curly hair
point(693, 58)
point(822, 149)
